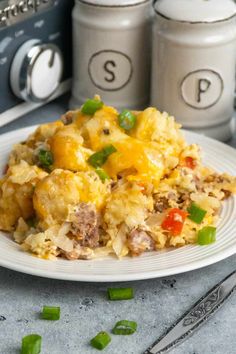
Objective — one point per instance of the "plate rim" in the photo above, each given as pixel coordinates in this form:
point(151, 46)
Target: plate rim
point(121, 278)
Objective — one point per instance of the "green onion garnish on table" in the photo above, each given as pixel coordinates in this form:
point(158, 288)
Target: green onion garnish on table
point(91, 106)
point(31, 344)
point(45, 158)
point(101, 340)
point(99, 158)
point(125, 327)
point(207, 235)
point(127, 119)
point(196, 213)
point(115, 294)
point(51, 313)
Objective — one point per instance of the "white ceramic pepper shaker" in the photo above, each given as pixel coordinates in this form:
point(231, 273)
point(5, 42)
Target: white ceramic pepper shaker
point(193, 63)
point(112, 52)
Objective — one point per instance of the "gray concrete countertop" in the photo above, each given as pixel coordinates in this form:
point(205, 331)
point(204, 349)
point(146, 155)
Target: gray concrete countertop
point(85, 309)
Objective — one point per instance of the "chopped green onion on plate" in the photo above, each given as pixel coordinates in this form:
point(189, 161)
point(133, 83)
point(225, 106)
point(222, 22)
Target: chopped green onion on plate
point(100, 157)
point(102, 174)
point(196, 213)
point(127, 119)
point(91, 106)
point(207, 235)
point(45, 158)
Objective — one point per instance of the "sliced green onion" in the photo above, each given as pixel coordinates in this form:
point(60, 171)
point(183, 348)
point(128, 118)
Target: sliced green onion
point(31, 222)
point(31, 344)
point(45, 158)
point(51, 313)
point(120, 293)
point(108, 150)
point(207, 235)
point(127, 120)
point(91, 106)
point(196, 213)
point(99, 158)
point(101, 340)
point(102, 174)
point(125, 327)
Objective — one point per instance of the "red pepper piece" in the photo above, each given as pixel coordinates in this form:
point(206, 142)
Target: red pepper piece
point(190, 162)
point(174, 221)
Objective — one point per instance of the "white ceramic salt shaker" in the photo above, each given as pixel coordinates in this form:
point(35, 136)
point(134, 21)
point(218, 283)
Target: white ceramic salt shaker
point(111, 52)
point(193, 63)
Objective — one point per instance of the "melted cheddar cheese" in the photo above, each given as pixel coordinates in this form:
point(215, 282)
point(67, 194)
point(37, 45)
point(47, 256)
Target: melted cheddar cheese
point(143, 154)
point(67, 149)
point(84, 187)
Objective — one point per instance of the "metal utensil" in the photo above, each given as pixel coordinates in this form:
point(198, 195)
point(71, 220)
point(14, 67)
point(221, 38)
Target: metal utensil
point(199, 314)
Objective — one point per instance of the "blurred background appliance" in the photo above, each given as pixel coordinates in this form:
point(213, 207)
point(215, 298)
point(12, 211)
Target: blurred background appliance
point(35, 54)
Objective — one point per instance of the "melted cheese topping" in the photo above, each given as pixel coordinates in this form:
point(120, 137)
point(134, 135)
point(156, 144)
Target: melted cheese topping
point(146, 153)
point(44, 132)
point(68, 189)
point(146, 159)
point(145, 163)
point(68, 151)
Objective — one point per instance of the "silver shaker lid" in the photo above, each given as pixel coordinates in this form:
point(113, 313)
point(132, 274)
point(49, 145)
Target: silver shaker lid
point(113, 3)
point(196, 11)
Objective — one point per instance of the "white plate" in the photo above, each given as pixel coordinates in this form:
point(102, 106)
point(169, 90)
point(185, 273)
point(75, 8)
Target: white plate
point(150, 265)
